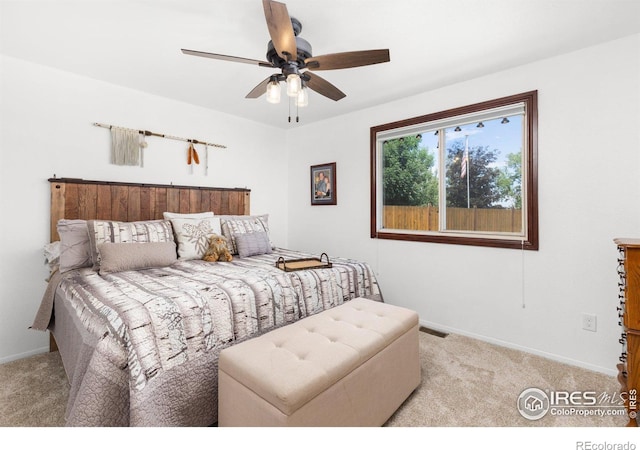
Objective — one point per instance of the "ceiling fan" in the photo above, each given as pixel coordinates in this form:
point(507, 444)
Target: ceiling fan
point(293, 56)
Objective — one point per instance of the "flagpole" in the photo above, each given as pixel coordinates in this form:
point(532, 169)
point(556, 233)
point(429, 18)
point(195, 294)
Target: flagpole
point(466, 153)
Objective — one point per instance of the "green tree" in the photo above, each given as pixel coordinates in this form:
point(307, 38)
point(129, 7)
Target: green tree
point(510, 181)
point(483, 178)
point(408, 176)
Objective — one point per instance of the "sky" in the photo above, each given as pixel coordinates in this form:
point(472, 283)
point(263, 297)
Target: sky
point(507, 138)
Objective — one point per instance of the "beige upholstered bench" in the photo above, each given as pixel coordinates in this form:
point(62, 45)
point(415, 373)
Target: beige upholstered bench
point(352, 365)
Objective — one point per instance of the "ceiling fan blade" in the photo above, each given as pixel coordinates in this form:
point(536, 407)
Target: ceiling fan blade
point(259, 89)
point(347, 59)
point(322, 86)
point(227, 58)
point(280, 29)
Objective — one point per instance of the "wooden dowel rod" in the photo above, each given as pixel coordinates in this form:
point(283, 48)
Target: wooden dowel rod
point(151, 133)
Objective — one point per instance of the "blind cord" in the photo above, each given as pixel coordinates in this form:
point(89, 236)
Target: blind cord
point(524, 305)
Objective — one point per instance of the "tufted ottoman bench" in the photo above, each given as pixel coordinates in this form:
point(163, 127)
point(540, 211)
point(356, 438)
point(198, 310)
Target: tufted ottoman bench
point(352, 365)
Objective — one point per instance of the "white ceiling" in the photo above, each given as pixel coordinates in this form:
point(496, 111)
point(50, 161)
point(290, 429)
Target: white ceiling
point(432, 43)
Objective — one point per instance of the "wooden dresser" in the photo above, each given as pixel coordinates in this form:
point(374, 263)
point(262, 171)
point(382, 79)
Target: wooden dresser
point(629, 314)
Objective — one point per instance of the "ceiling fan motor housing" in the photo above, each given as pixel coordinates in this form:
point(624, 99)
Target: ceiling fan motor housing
point(303, 49)
point(296, 25)
point(304, 52)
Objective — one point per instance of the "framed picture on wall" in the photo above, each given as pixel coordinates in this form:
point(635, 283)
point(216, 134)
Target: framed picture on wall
point(323, 184)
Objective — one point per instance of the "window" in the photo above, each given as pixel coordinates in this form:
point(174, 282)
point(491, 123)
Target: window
point(462, 176)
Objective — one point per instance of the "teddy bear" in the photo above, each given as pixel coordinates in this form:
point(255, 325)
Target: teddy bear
point(217, 250)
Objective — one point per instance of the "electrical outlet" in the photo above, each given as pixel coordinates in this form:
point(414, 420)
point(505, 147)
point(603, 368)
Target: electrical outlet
point(589, 322)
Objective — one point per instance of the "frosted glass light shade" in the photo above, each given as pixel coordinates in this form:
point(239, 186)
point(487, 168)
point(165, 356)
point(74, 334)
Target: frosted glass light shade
point(294, 85)
point(302, 99)
point(273, 92)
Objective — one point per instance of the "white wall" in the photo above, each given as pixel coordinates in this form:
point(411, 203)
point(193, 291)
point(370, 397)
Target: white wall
point(589, 116)
point(46, 125)
point(589, 193)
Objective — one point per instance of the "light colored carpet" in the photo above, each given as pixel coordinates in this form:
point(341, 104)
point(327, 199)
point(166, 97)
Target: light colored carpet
point(465, 383)
point(468, 383)
point(33, 392)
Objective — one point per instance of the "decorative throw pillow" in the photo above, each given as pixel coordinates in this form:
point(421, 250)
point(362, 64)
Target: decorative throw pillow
point(202, 215)
point(75, 247)
point(101, 231)
point(192, 236)
point(234, 225)
point(250, 244)
point(52, 255)
point(132, 256)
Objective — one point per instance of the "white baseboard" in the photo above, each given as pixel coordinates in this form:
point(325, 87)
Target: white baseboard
point(551, 356)
point(37, 351)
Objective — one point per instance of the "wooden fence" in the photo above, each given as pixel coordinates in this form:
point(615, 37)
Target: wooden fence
point(426, 218)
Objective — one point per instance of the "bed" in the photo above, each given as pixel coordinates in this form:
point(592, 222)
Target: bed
point(140, 345)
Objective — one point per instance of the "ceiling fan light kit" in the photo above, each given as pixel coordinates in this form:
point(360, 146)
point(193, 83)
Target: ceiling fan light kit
point(294, 85)
point(302, 99)
point(293, 55)
point(273, 90)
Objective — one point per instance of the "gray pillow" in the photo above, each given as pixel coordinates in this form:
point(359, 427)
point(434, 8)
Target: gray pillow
point(118, 257)
point(75, 247)
point(250, 244)
point(101, 231)
point(235, 225)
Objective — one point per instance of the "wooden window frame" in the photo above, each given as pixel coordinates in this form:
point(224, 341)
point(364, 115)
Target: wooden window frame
point(531, 239)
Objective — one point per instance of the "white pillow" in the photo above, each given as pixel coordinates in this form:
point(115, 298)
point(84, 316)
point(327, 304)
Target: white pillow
point(52, 255)
point(192, 235)
point(171, 215)
point(75, 244)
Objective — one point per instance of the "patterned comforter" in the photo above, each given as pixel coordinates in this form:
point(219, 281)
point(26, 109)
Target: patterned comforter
point(160, 331)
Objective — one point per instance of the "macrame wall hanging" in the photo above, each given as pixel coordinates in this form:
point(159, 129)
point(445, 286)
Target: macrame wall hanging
point(128, 144)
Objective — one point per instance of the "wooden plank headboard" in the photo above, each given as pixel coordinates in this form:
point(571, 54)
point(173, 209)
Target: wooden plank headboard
point(74, 198)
